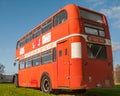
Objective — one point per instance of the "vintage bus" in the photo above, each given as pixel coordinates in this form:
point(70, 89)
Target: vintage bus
point(69, 50)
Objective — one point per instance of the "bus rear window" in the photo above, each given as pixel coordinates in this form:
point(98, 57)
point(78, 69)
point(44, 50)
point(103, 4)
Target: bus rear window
point(96, 51)
point(91, 16)
point(94, 30)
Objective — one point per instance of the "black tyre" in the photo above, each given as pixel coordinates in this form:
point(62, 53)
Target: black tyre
point(16, 81)
point(46, 86)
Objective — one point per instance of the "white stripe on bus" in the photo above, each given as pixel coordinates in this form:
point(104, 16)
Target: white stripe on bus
point(54, 44)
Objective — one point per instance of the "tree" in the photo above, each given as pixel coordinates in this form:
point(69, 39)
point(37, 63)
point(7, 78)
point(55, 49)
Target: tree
point(2, 67)
point(117, 74)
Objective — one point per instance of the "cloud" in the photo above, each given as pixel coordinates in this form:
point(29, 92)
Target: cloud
point(113, 14)
point(95, 3)
point(115, 46)
point(116, 24)
point(98, 3)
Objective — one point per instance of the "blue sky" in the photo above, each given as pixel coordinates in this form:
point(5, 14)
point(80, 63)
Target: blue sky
point(17, 17)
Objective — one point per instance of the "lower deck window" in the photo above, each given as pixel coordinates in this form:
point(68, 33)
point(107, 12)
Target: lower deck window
point(47, 57)
point(96, 51)
point(28, 62)
point(36, 60)
point(21, 65)
point(41, 58)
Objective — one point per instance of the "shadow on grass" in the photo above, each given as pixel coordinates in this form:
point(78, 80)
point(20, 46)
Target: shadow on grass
point(91, 92)
point(69, 93)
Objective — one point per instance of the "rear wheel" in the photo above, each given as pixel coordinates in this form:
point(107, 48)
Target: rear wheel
point(46, 84)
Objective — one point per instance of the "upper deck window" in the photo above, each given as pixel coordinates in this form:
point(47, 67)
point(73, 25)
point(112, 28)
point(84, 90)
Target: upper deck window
point(47, 26)
point(91, 16)
point(60, 17)
point(18, 44)
point(36, 32)
point(29, 38)
point(22, 42)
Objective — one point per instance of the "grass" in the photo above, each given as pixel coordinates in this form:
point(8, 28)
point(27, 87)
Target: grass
point(10, 90)
point(104, 92)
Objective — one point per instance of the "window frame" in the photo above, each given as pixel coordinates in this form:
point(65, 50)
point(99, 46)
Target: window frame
point(89, 30)
point(35, 57)
point(42, 26)
point(91, 55)
point(91, 15)
point(47, 54)
point(28, 60)
point(94, 27)
point(18, 45)
point(23, 63)
point(47, 25)
point(52, 53)
point(57, 18)
point(37, 32)
point(29, 37)
point(22, 42)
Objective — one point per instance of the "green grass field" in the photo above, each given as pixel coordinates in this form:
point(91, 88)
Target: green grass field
point(104, 92)
point(10, 90)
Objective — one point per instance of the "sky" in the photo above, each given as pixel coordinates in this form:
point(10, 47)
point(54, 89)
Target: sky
point(17, 17)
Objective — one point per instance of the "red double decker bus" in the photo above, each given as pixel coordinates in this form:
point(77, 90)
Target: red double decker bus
point(69, 50)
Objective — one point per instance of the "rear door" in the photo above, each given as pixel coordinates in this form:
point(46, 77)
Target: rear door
point(63, 64)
